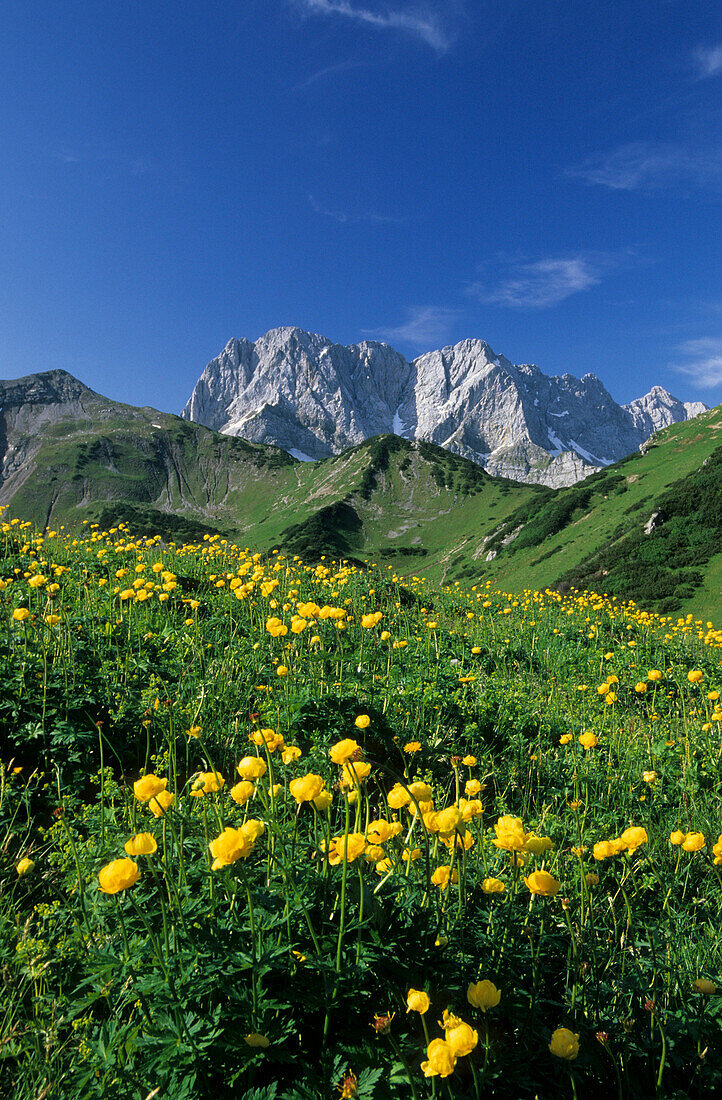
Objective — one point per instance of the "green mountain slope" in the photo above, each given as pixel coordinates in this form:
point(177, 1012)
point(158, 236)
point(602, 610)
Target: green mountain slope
point(70, 455)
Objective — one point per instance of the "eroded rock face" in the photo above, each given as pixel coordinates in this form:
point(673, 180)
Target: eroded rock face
point(315, 399)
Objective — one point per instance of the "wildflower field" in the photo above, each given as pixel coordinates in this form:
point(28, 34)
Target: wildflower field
point(277, 830)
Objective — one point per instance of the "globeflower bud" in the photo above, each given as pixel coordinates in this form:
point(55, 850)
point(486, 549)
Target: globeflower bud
point(483, 995)
point(564, 1044)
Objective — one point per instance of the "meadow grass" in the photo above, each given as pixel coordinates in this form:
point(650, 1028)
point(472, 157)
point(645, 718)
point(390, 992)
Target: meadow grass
point(278, 830)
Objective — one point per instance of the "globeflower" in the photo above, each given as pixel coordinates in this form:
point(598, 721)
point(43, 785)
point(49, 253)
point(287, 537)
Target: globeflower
point(118, 875)
point(588, 740)
point(483, 995)
point(242, 791)
point(440, 1059)
point(228, 847)
point(24, 866)
point(493, 886)
point(677, 837)
point(417, 1001)
point(693, 842)
point(207, 783)
point(148, 786)
point(142, 844)
point(541, 882)
point(251, 767)
point(306, 787)
point(362, 722)
point(564, 1044)
point(443, 875)
point(510, 834)
point(704, 986)
point(161, 802)
point(462, 1039)
point(343, 750)
point(695, 676)
point(633, 838)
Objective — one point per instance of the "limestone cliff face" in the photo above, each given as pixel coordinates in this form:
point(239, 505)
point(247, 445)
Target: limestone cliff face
point(314, 398)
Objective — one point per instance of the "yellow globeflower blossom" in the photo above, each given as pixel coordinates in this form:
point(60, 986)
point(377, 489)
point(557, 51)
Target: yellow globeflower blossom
point(493, 886)
point(362, 722)
point(541, 882)
point(306, 788)
point(443, 875)
point(252, 767)
point(472, 787)
point(354, 844)
point(417, 1001)
point(462, 1039)
point(20, 614)
point(161, 802)
point(440, 1059)
point(207, 783)
point(588, 740)
point(142, 844)
point(323, 800)
point(354, 772)
point(693, 842)
point(469, 761)
point(483, 995)
point(118, 875)
point(290, 754)
point(564, 1044)
point(398, 797)
point(654, 675)
point(565, 738)
point(537, 845)
point(229, 846)
point(510, 835)
point(677, 837)
point(24, 866)
point(344, 750)
point(148, 786)
point(695, 676)
point(633, 837)
point(242, 791)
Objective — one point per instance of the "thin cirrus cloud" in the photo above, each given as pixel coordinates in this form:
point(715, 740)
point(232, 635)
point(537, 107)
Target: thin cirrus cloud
point(429, 24)
point(351, 217)
point(539, 284)
point(708, 61)
point(644, 165)
point(701, 360)
point(425, 327)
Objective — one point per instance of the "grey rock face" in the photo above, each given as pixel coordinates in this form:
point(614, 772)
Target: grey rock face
point(315, 399)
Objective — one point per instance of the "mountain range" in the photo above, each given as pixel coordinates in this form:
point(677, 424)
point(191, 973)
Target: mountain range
point(314, 399)
point(646, 527)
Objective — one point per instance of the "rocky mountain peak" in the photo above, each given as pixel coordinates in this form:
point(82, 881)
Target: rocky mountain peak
point(314, 398)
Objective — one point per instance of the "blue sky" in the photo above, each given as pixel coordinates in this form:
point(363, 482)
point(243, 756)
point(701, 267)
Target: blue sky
point(547, 177)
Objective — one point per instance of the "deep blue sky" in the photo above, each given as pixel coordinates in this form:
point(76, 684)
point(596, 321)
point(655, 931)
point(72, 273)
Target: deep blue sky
point(545, 176)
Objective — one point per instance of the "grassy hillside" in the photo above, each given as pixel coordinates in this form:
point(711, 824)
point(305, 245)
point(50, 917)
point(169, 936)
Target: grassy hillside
point(411, 505)
point(289, 831)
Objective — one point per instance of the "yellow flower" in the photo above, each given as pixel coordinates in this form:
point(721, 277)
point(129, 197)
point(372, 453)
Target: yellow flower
point(564, 1044)
point(397, 797)
point(368, 621)
point(633, 837)
point(412, 746)
point(378, 832)
point(142, 844)
point(253, 1039)
point(483, 995)
point(161, 802)
point(493, 886)
point(290, 753)
point(354, 772)
point(343, 750)
point(537, 845)
point(703, 985)
point(649, 777)
point(442, 876)
point(148, 786)
point(252, 767)
point(640, 687)
point(281, 670)
point(24, 866)
point(693, 842)
point(207, 783)
point(565, 739)
point(462, 1039)
point(654, 675)
point(695, 676)
point(306, 788)
point(118, 875)
point(588, 740)
point(354, 843)
point(541, 882)
point(677, 837)
point(252, 829)
point(469, 761)
point(20, 614)
point(362, 722)
point(418, 1001)
point(230, 845)
point(472, 787)
point(447, 821)
point(510, 834)
point(440, 1059)
point(242, 791)
point(323, 800)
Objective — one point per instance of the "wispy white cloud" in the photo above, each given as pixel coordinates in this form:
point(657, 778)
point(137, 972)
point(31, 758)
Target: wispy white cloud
point(425, 327)
point(701, 360)
point(433, 25)
point(708, 61)
point(646, 165)
point(331, 70)
point(351, 217)
point(538, 284)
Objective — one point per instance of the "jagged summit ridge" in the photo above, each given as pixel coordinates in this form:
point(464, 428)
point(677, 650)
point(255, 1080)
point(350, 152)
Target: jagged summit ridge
point(315, 398)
